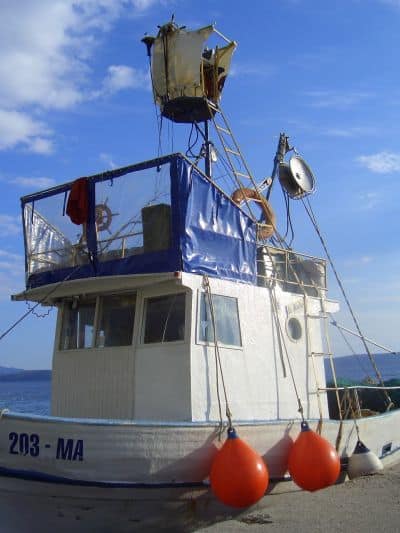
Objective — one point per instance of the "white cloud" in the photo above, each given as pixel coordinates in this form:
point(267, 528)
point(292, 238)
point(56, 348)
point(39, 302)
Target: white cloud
point(353, 131)
point(39, 145)
point(120, 77)
point(251, 71)
point(337, 100)
point(11, 273)
point(368, 200)
point(358, 261)
point(40, 183)
point(381, 162)
point(108, 160)
point(9, 225)
point(17, 127)
point(45, 50)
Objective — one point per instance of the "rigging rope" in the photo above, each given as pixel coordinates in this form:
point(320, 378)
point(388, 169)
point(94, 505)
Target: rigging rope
point(32, 309)
point(280, 332)
point(218, 365)
point(313, 219)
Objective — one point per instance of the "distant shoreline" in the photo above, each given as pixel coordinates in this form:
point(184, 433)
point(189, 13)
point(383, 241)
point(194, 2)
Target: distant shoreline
point(27, 375)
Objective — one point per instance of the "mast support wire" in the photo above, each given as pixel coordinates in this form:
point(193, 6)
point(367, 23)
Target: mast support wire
point(311, 215)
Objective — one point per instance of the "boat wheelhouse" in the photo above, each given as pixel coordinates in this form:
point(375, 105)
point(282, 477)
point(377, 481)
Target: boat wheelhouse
point(181, 311)
point(134, 333)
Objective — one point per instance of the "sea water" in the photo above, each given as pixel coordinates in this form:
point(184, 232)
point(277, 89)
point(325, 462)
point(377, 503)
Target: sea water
point(33, 396)
point(24, 396)
point(359, 367)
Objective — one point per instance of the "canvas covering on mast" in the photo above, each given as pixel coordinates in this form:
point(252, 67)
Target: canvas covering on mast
point(176, 63)
point(186, 74)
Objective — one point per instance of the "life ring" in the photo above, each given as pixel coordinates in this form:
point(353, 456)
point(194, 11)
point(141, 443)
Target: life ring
point(267, 228)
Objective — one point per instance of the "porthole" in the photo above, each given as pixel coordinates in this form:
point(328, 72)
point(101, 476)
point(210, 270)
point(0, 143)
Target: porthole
point(294, 329)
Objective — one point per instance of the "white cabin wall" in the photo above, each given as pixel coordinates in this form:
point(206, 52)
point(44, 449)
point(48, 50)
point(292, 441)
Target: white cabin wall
point(93, 383)
point(254, 375)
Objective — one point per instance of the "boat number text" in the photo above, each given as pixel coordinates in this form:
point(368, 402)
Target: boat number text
point(29, 444)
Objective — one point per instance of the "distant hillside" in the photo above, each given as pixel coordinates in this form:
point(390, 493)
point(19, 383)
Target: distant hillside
point(17, 374)
point(5, 370)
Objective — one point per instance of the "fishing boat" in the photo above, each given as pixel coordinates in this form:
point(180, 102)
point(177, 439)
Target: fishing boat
point(182, 311)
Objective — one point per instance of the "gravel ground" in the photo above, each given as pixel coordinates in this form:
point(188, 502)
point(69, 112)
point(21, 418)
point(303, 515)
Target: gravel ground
point(368, 504)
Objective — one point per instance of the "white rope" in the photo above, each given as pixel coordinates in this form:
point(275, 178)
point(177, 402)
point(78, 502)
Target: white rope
point(218, 363)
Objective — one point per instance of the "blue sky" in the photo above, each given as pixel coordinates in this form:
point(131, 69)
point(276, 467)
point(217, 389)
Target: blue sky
point(75, 100)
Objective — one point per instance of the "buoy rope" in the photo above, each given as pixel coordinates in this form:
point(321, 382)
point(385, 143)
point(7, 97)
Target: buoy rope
point(313, 219)
point(39, 302)
point(353, 414)
point(218, 364)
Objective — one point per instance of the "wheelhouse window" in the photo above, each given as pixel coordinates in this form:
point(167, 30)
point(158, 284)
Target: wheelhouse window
point(97, 322)
point(164, 319)
point(78, 324)
point(226, 317)
point(116, 316)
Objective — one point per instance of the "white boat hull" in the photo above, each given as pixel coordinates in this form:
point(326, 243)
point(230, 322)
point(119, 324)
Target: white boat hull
point(119, 476)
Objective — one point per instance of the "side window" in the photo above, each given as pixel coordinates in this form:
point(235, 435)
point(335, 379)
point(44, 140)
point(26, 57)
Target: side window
point(226, 320)
point(116, 317)
point(164, 318)
point(78, 325)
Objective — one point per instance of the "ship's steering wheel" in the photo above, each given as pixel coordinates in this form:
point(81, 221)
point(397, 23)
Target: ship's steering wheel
point(103, 217)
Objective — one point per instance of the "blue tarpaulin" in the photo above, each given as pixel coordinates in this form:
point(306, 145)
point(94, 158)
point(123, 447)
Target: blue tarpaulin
point(209, 233)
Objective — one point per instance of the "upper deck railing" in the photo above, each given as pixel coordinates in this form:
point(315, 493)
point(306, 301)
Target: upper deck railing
point(294, 272)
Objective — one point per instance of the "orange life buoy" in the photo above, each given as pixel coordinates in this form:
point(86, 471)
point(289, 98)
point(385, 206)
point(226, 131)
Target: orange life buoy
point(267, 228)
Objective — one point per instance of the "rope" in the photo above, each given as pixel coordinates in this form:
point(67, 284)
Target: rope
point(350, 347)
point(311, 215)
point(280, 332)
point(218, 365)
point(31, 310)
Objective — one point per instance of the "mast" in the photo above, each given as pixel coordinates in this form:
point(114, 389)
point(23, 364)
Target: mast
point(207, 149)
point(188, 77)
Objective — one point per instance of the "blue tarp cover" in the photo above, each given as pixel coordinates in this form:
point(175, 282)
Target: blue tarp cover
point(210, 234)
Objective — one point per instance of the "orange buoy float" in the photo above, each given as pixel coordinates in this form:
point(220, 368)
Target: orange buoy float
point(239, 476)
point(313, 462)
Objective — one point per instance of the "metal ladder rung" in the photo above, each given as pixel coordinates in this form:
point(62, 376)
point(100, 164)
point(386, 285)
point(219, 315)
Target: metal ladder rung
point(224, 130)
point(213, 106)
point(320, 353)
point(317, 316)
point(242, 175)
point(232, 151)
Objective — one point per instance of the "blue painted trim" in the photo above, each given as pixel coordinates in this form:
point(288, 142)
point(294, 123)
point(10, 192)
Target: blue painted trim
point(31, 475)
point(212, 424)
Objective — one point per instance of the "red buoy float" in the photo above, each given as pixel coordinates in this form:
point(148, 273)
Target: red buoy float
point(313, 462)
point(239, 476)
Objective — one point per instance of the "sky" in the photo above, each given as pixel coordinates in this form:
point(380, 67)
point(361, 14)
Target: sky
point(75, 100)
